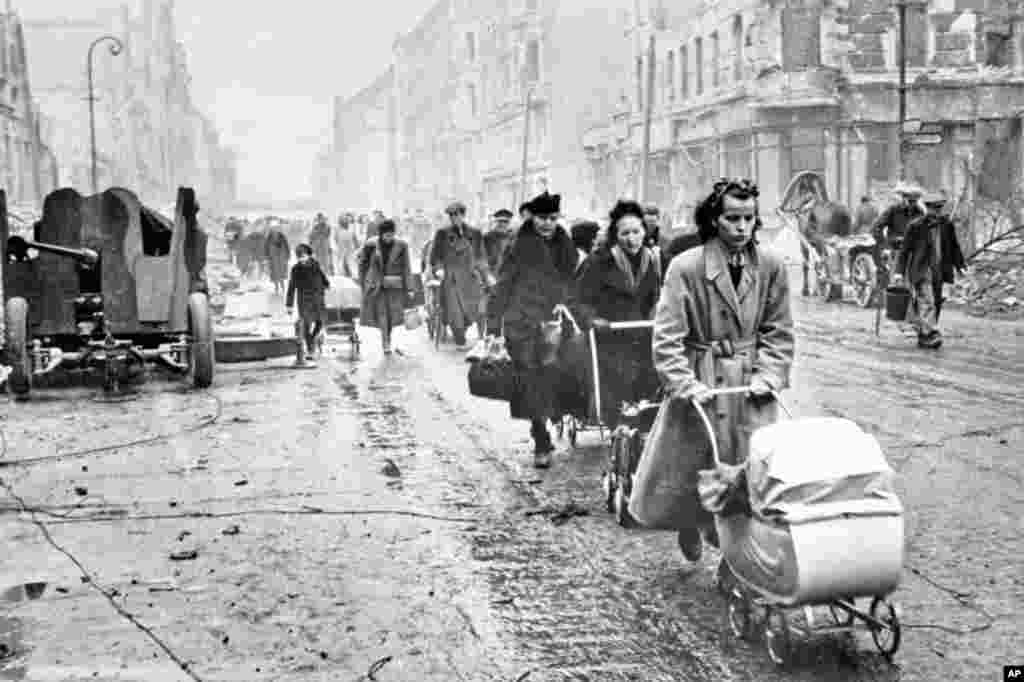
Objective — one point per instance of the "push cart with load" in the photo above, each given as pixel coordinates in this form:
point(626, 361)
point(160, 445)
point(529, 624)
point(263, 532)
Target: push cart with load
point(809, 525)
point(342, 302)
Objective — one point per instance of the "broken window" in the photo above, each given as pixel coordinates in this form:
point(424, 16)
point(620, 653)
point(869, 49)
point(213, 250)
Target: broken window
point(639, 83)
point(801, 38)
point(997, 49)
point(737, 48)
point(698, 54)
point(716, 57)
point(670, 72)
point(917, 35)
point(806, 150)
point(684, 73)
point(533, 61)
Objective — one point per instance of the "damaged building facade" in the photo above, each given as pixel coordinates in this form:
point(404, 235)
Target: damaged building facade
point(464, 80)
point(151, 137)
point(769, 89)
point(28, 168)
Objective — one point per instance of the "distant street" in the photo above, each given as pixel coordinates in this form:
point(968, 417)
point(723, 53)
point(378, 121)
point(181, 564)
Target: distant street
point(291, 489)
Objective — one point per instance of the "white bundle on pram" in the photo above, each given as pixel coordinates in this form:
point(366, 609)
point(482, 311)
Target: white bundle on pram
point(812, 515)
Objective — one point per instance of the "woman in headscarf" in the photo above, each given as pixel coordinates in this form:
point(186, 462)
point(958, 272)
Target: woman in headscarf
point(621, 284)
point(387, 282)
point(537, 274)
point(723, 320)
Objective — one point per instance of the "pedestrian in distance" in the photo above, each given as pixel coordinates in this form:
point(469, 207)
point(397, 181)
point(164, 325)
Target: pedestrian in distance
point(930, 256)
point(306, 286)
point(275, 255)
point(496, 240)
point(537, 274)
point(723, 320)
point(458, 260)
point(653, 238)
point(865, 216)
point(387, 282)
point(584, 236)
point(320, 239)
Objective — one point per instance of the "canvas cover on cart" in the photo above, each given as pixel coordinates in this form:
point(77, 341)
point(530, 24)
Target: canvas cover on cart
point(811, 467)
point(343, 294)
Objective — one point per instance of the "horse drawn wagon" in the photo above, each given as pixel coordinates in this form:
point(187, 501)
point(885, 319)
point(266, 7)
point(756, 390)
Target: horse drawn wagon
point(106, 283)
point(836, 263)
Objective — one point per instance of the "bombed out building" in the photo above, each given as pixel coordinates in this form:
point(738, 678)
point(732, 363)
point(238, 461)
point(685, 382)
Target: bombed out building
point(771, 88)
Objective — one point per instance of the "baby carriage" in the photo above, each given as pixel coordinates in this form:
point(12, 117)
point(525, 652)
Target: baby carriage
point(626, 440)
point(810, 522)
point(342, 302)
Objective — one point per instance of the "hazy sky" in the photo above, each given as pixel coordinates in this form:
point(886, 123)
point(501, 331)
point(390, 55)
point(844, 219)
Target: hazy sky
point(266, 72)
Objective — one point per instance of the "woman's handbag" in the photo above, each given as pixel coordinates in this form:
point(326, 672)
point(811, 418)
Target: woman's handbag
point(553, 334)
point(413, 319)
point(493, 376)
point(393, 282)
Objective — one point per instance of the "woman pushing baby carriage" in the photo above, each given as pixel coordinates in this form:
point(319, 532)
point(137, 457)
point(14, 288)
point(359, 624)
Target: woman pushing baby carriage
point(723, 320)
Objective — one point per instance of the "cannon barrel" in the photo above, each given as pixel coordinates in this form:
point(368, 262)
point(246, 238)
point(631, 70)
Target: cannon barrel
point(85, 256)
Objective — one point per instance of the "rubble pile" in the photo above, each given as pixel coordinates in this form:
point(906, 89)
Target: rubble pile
point(993, 287)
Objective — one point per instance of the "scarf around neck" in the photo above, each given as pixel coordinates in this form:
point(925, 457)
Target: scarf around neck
point(623, 264)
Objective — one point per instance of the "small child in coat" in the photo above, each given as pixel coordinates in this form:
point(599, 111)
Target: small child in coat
point(308, 283)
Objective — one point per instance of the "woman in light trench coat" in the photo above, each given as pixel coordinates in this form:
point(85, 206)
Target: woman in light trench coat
point(723, 320)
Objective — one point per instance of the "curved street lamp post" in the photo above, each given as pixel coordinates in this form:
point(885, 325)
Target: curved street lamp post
point(116, 47)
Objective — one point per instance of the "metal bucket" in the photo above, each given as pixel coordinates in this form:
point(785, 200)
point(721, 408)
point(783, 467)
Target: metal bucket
point(897, 302)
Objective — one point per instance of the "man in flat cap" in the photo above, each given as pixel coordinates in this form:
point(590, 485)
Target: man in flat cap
point(458, 260)
point(890, 227)
point(930, 256)
point(497, 238)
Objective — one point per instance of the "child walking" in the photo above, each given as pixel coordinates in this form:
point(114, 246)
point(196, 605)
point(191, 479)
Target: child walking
point(309, 282)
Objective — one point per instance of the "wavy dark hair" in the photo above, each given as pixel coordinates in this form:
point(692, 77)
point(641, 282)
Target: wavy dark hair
point(710, 209)
point(622, 208)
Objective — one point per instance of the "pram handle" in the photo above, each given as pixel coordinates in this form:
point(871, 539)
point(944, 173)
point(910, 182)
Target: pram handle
point(638, 324)
point(714, 393)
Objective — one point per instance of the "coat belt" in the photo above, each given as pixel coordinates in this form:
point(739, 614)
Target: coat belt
point(724, 348)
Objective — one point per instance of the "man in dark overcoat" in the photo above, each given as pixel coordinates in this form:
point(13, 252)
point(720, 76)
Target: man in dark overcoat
point(277, 255)
point(320, 240)
point(930, 256)
point(459, 261)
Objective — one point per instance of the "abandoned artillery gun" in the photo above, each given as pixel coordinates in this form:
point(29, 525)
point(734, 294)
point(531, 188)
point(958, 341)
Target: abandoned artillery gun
point(113, 286)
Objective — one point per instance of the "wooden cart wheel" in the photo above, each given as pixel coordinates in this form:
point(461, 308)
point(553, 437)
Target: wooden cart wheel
point(887, 638)
point(19, 381)
point(864, 276)
point(776, 637)
point(622, 515)
point(741, 620)
point(201, 350)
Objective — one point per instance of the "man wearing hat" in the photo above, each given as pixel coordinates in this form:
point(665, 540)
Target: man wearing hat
point(930, 256)
point(458, 259)
point(497, 238)
point(653, 240)
point(890, 227)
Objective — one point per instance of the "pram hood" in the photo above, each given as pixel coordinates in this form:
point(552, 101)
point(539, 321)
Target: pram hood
point(818, 467)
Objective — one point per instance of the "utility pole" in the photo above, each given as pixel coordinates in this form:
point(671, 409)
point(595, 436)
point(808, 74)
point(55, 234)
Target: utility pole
point(902, 5)
point(115, 49)
point(645, 159)
point(527, 103)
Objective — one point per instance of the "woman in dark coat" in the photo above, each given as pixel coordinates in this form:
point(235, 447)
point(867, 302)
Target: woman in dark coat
point(621, 283)
point(307, 283)
point(277, 257)
point(387, 282)
point(537, 274)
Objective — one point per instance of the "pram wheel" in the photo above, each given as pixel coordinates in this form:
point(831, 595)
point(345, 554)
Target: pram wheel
point(608, 485)
point(776, 636)
point(887, 637)
point(741, 620)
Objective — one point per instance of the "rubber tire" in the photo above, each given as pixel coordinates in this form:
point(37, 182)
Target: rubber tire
point(201, 349)
point(889, 649)
point(19, 381)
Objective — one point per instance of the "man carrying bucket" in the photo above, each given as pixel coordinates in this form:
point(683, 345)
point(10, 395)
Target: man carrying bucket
point(930, 256)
